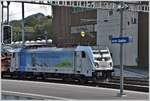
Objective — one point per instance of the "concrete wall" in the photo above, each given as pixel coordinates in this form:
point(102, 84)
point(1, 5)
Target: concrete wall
point(109, 25)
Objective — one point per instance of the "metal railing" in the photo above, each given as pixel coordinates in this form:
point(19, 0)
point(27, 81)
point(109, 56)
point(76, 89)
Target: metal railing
point(91, 4)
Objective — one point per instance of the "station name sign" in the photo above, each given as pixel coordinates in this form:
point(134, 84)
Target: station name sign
point(119, 40)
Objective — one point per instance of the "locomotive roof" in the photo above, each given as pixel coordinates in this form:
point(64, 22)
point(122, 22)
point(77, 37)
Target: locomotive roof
point(78, 48)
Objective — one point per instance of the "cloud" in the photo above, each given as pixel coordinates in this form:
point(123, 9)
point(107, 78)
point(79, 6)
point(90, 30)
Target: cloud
point(16, 9)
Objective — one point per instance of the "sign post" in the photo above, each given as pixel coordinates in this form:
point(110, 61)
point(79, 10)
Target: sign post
point(121, 40)
point(121, 51)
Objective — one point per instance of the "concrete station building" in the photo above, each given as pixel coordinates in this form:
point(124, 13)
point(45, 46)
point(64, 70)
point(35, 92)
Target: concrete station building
point(134, 26)
point(99, 26)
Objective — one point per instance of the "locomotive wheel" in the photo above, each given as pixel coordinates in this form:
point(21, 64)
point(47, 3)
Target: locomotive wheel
point(67, 79)
point(83, 80)
point(43, 76)
point(14, 76)
point(33, 77)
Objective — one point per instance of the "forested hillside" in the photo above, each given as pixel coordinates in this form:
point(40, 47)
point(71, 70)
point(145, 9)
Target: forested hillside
point(36, 26)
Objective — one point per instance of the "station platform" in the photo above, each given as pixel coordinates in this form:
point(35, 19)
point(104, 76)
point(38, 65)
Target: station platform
point(68, 91)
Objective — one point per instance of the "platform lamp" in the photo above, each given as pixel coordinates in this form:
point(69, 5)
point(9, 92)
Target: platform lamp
point(82, 35)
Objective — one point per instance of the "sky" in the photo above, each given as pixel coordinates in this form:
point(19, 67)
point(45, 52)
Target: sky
point(16, 8)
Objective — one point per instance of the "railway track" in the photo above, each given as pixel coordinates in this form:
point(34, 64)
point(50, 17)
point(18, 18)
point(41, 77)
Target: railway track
point(133, 84)
point(128, 86)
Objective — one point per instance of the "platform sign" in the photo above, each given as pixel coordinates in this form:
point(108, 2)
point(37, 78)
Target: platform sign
point(119, 40)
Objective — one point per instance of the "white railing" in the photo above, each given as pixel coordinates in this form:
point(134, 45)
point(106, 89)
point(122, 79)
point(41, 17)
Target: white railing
point(140, 8)
point(90, 4)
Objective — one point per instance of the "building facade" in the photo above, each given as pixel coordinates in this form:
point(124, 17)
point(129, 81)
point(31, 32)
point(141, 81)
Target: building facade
point(135, 26)
point(108, 26)
point(69, 22)
point(100, 26)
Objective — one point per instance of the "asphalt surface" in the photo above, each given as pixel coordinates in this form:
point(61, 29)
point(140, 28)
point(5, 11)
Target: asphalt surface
point(42, 90)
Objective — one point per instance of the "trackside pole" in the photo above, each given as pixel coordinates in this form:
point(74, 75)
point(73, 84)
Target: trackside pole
point(23, 36)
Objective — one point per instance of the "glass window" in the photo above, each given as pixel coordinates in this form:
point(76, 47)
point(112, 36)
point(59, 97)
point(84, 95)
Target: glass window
point(79, 9)
point(128, 23)
point(110, 12)
point(133, 20)
point(83, 54)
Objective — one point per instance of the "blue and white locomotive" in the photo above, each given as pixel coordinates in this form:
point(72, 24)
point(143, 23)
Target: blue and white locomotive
point(77, 63)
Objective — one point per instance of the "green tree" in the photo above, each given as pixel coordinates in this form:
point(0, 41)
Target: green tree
point(36, 24)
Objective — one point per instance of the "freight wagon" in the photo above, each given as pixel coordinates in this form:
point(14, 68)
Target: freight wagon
point(81, 62)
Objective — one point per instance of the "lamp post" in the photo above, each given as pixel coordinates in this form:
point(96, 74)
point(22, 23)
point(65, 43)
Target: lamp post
point(121, 9)
point(8, 3)
point(2, 11)
point(2, 21)
point(121, 51)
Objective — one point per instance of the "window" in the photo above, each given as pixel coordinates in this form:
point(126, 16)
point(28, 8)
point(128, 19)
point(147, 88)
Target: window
point(60, 2)
point(105, 20)
point(82, 3)
point(128, 23)
point(53, 2)
point(75, 54)
point(110, 12)
point(110, 37)
point(133, 20)
point(83, 54)
point(79, 9)
point(68, 3)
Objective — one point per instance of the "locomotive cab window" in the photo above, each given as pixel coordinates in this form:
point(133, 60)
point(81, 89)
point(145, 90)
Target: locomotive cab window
point(75, 54)
point(83, 54)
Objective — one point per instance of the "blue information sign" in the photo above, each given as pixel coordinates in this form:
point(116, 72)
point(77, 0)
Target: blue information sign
point(120, 40)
